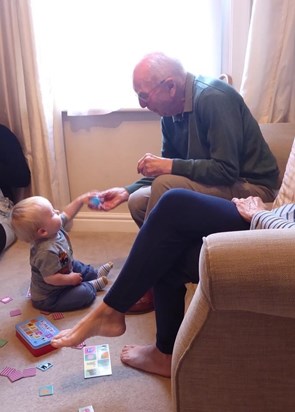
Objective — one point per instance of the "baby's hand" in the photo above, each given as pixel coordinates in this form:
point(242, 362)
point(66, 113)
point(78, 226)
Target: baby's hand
point(75, 279)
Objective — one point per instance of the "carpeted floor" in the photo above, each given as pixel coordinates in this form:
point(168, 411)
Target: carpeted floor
point(126, 390)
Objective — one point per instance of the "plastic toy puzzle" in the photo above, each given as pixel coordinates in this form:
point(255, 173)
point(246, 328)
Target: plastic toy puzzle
point(36, 335)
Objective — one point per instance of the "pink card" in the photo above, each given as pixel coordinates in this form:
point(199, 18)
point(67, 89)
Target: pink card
point(28, 372)
point(57, 315)
point(7, 370)
point(6, 299)
point(15, 312)
point(15, 375)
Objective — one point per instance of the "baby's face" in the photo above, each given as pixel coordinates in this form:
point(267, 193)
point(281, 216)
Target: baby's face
point(51, 219)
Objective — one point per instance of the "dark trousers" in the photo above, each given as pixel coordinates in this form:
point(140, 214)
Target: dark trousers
point(72, 297)
point(165, 256)
point(2, 238)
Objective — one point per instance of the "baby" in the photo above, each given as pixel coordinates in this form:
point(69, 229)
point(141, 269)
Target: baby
point(59, 282)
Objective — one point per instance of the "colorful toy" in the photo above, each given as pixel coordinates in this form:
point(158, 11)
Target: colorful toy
point(36, 335)
point(97, 361)
point(95, 201)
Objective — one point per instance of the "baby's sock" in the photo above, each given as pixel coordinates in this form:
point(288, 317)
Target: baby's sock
point(104, 269)
point(99, 283)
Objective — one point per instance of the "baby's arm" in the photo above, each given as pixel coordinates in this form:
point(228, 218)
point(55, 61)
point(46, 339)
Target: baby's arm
point(73, 208)
point(60, 279)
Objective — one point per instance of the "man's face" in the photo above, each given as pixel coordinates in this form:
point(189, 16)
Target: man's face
point(157, 97)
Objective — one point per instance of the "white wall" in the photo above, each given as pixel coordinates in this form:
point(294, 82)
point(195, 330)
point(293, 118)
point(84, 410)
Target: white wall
point(102, 152)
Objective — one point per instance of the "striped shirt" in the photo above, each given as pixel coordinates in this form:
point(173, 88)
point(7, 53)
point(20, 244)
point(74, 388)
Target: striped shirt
point(280, 218)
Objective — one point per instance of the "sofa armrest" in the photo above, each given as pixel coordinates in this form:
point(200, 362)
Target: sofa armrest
point(250, 271)
point(235, 345)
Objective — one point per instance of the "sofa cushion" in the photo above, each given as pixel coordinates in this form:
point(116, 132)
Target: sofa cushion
point(287, 190)
point(279, 137)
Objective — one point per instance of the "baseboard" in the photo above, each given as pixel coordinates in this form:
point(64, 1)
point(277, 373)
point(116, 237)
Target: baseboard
point(103, 222)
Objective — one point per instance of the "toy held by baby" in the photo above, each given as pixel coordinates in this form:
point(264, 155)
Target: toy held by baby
point(94, 202)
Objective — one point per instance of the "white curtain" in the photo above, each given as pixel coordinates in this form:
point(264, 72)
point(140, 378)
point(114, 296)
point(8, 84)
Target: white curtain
point(38, 127)
point(269, 73)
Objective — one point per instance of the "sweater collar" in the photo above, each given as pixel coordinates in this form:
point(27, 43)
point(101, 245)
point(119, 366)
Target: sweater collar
point(188, 98)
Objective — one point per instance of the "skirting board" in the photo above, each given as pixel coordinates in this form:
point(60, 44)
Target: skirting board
point(103, 222)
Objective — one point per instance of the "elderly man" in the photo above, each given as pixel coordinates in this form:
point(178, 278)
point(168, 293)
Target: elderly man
point(211, 143)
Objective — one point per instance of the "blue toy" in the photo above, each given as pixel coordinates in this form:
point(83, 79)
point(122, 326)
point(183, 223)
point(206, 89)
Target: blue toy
point(95, 201)
point(36, 335)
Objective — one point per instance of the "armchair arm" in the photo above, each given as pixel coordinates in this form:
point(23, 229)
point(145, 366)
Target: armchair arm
point(250, 271)
point(235, 344)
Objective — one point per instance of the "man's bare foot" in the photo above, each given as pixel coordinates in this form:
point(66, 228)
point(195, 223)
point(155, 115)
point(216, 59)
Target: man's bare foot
point(101, 321)
point(147, 358)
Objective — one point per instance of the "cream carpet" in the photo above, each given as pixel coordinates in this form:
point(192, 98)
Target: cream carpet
point(126, 390)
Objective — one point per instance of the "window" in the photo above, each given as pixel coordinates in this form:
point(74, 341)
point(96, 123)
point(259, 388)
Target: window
point(87, 48)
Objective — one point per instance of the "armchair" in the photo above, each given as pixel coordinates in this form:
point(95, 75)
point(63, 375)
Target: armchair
point(235, 350)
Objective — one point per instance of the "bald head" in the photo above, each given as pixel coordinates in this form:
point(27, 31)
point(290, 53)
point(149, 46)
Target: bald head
point(159, 82)
point(155, 67)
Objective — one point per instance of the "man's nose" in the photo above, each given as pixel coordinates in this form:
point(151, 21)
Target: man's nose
point(142, 103)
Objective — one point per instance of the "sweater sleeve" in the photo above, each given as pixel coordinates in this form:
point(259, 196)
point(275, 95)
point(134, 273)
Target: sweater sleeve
point(280, 218)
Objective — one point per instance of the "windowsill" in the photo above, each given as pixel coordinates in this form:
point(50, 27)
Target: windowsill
point(138, 112)
point(103, 112)
point(109, 120)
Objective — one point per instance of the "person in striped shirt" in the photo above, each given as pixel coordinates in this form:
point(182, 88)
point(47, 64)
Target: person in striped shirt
point(253, 210)
point(165, 257)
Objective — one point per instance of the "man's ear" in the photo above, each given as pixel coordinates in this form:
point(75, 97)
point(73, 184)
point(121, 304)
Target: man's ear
point(170, 84)
point(42, 232)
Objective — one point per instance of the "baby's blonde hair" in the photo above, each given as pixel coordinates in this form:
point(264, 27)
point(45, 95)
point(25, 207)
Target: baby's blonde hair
point(27, 217)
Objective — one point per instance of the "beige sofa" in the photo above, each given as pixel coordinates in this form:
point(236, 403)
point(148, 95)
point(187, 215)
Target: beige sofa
point(235, 350)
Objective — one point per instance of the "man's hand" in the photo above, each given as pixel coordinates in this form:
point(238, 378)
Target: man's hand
point(112, 198)
point(249, 206)
point(151, 166)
